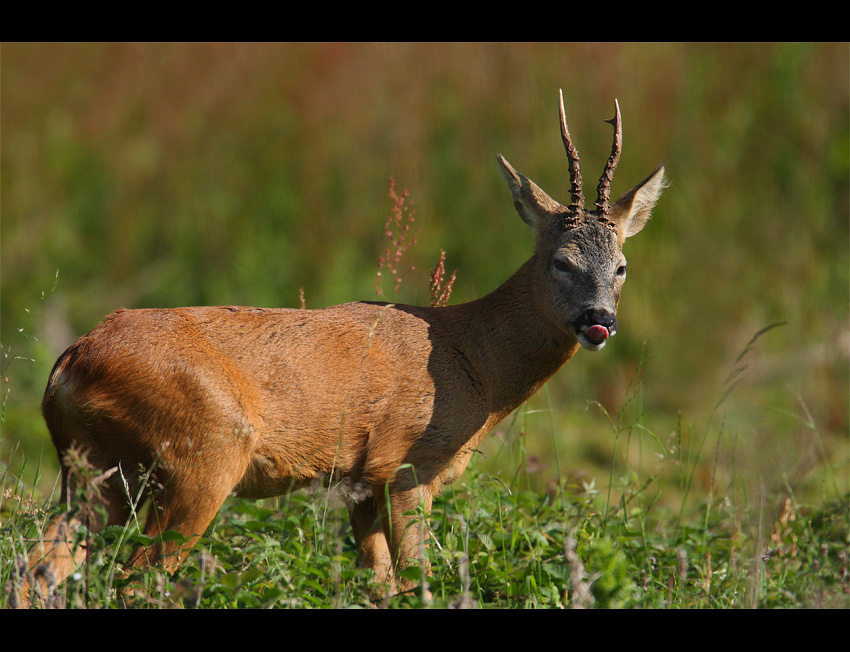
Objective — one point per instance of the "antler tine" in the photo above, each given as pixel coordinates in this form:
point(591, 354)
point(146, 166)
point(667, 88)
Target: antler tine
point(577, 201)
point(604, 188)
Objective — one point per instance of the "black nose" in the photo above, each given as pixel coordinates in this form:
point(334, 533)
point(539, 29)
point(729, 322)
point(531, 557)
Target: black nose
point(598, 317)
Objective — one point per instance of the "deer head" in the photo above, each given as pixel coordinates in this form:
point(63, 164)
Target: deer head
point(578, 257)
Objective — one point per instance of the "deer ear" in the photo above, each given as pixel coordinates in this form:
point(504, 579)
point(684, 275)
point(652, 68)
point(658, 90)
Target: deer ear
point(530, 201)
point(631, 211)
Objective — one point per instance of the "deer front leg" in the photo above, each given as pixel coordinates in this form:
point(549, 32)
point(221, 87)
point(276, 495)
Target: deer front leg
point(406, 530)
point(372, 549)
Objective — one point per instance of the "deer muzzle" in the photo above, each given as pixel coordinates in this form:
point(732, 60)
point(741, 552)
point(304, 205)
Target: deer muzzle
point(594, 328)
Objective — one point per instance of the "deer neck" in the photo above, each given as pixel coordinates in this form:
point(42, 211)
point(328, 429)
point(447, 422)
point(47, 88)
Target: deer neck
point(511, 343)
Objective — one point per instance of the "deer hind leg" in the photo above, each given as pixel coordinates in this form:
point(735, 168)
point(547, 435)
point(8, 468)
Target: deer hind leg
point(187, 510)
point(186, 502)
point(59, 552)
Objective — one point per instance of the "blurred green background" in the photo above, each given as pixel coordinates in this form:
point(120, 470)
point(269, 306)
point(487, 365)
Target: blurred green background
point(174, 174)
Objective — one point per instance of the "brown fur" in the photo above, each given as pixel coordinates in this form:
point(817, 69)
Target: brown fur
point(217, 400)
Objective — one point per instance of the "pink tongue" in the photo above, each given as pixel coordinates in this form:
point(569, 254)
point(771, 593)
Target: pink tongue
point(596, 334)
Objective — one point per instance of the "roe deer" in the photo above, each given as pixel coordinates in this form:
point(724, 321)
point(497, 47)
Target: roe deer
point(255, 402)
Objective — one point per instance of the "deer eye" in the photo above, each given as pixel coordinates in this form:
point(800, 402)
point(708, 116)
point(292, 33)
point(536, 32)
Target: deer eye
point(561, 265)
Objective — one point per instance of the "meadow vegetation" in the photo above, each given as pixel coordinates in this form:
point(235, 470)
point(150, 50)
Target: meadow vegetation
point(702, 459)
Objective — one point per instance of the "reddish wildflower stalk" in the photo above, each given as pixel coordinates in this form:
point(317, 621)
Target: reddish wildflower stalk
point(397, 228)
point(441, 292)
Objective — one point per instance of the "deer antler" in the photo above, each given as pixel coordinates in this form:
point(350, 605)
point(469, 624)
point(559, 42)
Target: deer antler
point(577, 202)
point(604, 187)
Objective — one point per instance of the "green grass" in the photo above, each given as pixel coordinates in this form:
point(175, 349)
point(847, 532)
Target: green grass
point(492, 547)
